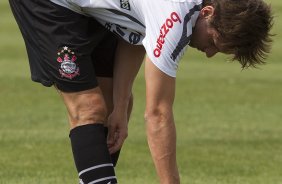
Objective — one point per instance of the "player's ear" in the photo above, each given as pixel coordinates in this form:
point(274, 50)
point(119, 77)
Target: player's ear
point(207, 12)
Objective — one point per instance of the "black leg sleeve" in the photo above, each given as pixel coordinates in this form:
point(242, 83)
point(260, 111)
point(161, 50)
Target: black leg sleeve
point(91, 155)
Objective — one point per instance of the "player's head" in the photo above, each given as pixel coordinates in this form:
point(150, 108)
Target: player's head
point(238, 27)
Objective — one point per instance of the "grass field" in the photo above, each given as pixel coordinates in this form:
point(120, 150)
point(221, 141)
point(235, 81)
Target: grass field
point(229, 121)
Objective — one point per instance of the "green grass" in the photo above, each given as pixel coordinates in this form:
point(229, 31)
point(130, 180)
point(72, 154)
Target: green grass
point(228, 121)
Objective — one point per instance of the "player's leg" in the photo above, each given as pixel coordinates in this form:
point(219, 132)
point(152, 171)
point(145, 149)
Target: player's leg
point(59, 48)
point(106, 85)
point(125, 52)
point(103, 61)
point(87, 114)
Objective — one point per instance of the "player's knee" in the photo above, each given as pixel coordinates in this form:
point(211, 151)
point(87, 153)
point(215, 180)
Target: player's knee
point(88, 111)
point(90, 115)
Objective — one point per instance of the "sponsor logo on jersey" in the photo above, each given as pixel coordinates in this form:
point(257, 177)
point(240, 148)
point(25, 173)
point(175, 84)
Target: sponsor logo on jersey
point(166, 27)
point(124, 4)
point(68, 67)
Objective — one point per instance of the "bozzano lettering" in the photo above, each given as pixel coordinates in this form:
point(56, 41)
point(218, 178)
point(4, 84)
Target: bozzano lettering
point(169, 23)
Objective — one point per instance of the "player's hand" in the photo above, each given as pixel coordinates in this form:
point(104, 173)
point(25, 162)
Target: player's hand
point(118, 131)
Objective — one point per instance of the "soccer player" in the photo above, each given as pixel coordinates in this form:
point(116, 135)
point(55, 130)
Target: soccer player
point(75, 54)
point(61, 35)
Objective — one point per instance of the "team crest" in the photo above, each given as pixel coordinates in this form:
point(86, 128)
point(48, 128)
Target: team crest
point(68, 67)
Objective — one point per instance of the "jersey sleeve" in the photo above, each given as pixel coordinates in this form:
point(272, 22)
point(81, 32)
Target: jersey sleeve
point(168, 33)
point(164, 41)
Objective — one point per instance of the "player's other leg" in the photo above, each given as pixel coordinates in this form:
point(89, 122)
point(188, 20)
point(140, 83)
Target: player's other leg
point(103, 57)
point(106, 85)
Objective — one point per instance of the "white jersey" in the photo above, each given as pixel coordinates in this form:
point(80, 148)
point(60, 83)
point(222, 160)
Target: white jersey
point(163, 27)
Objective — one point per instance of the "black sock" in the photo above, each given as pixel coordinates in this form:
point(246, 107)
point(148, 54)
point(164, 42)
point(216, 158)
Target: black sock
point(114, 156)
point(91, 154)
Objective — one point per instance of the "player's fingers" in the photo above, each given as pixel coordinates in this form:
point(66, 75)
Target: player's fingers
point(121, 136)
point(111, 136)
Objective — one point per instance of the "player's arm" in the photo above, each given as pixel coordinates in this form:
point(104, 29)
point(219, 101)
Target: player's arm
point(161, 133)
point(127, 64)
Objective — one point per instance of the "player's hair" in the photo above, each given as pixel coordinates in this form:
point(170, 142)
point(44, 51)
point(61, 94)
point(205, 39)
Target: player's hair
point(244, 26)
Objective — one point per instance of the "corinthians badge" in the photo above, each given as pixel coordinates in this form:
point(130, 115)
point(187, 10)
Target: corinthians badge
point(67, 58)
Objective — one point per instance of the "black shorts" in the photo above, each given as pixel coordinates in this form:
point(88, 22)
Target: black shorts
point(65, 49)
